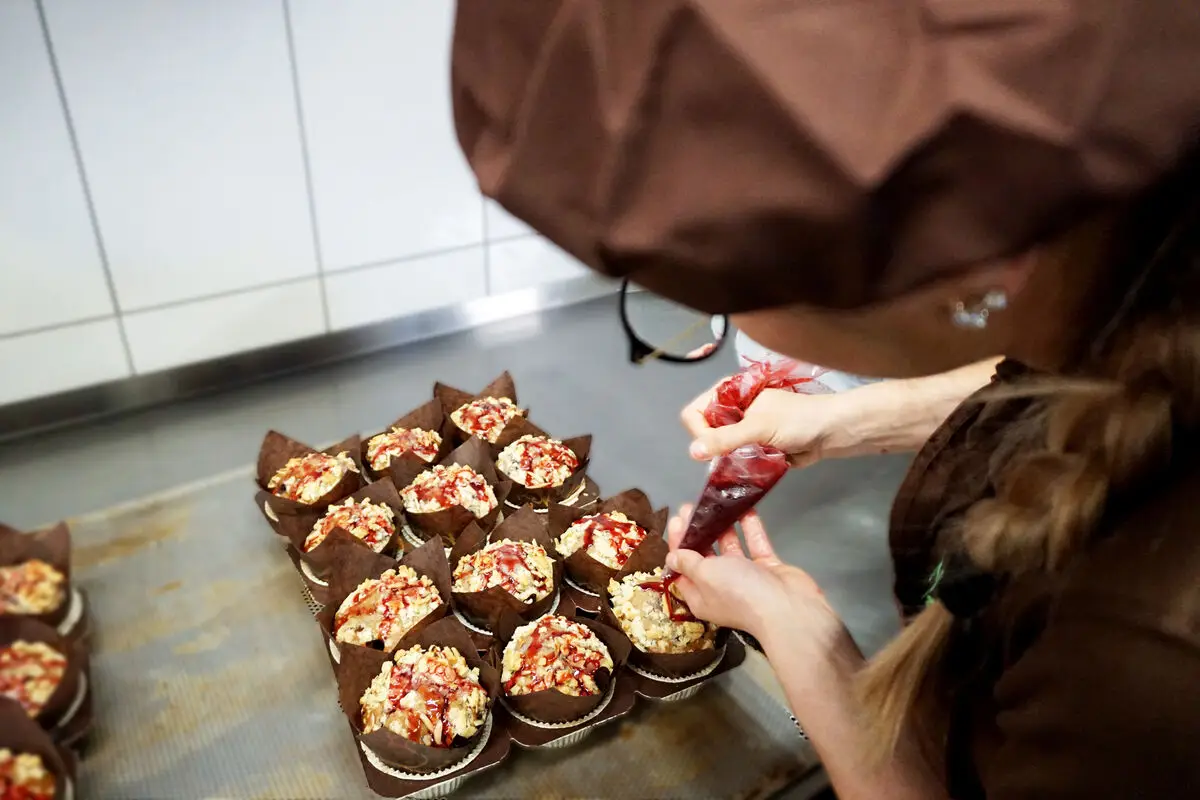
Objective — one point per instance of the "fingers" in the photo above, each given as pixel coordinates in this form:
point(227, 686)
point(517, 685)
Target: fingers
point(758, 543)
point(730, 545)
point(719, 441)
point(678, 525)
point(692, 415)
point(685, 562)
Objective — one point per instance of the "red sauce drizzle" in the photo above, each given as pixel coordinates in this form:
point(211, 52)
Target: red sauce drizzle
point(396, 443)
point(551, 453)
point(580, 663)
point(445, 492)
point(308, 469)
point(481, 417)
point(509, 556)
point(16, 688)
point(676, 610)
point(436, 688)
point(9, 790)
point(626, 536)
point(397, 592)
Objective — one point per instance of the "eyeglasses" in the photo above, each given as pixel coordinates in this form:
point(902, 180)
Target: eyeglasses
point(662, 330)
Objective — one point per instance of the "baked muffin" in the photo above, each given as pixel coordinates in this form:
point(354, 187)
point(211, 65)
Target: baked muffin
point(523, 569)
point(373, 524)
point(445, 487)
point(656, 619)
point(423, 444)
point(32, 587)
point(554, 653)
point(429, 696)
point(29, 674)
point(382, 611)
point(24, 776)
point(537, 462)
point(486, 417)
point(608, 538)
point(306, 479)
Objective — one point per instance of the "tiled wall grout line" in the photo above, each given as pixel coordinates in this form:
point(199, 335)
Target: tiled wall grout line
point(93, 218)
point(308, 172)
point(57, 326)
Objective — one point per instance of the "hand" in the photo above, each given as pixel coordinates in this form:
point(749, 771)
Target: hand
point(806, 427)
point(749, 589)
point(892, 416)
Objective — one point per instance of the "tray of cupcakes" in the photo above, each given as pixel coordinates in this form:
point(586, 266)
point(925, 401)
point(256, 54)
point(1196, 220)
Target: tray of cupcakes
point(45, 696)
point(475, 591)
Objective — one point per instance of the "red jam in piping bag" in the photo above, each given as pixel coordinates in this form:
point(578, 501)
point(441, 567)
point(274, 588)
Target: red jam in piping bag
point(738, 480)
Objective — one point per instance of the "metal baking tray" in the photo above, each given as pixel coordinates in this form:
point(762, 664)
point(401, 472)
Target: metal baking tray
point(211, 679)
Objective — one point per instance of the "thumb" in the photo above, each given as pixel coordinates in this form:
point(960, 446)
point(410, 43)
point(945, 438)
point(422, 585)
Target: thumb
point(719, 441)
point(684, 562)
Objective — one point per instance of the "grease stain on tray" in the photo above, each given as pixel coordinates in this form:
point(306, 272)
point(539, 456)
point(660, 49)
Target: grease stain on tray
point(209, 640)
point(168, 587)
point(150, 528)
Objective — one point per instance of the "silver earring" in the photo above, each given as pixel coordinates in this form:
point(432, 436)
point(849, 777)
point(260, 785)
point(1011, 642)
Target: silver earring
point(973, 315)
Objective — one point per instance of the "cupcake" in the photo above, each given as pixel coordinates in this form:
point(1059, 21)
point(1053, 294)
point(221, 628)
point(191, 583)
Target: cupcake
point(655, 618)
point(554, 653)
point(373, 524)
point(537, 464)
point(33, 588)
point(445, 487)
point(480, 415)
point(609, 538)
point(25, 776)
point(522, 569)
point(486, 417)
point(421, 443)
point(383, 610)
point(425, 708)
point(307, 479)
point(427, 695)
point(35, 580)
point(296, 479)
point(30, 673)
point(32, 766)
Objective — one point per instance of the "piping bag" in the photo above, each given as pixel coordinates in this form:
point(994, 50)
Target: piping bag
point(741, 478)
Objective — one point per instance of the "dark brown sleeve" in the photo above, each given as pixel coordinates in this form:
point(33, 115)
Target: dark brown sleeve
point(1102, 706)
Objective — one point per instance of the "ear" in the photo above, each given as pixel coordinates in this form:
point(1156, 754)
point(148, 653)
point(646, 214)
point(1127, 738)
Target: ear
point(1009, 275)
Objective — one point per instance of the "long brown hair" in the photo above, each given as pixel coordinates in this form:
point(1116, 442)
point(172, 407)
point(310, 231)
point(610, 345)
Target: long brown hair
point(1100, 437)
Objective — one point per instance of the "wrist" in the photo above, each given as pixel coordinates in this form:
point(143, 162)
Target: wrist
point(887, 417)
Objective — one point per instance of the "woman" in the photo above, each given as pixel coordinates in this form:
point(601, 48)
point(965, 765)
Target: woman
point(956, 179)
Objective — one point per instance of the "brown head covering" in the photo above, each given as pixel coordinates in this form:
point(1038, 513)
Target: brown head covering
point(742, 155)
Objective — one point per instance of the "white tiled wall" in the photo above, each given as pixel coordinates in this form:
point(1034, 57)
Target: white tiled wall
point(389, 178)
point(182, 180)
point(47, 245)
point(362, 296)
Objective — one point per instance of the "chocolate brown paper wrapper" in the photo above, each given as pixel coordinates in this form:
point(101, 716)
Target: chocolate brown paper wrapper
point(430, 417)
point(581, 567)
point(653, 554)
point(581, 446)
point(449, 523)
point(524, 525)
point(15, 628)
point(297, 528)
point(351, 565)
point(551, 705)
point(453, 399)
point(734, 656)
point(359, 667)
point(52, 545)
point(277, 449)
point(20, 734)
